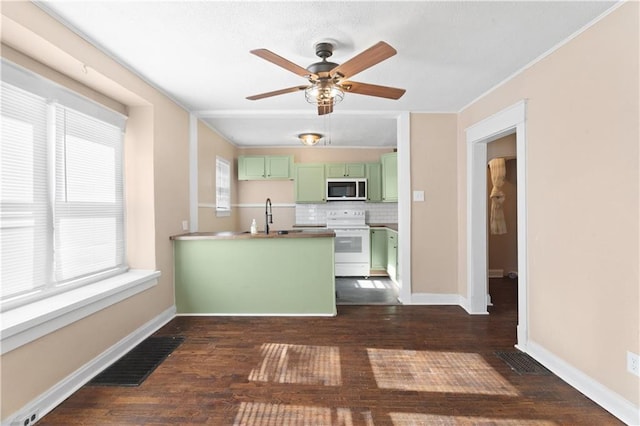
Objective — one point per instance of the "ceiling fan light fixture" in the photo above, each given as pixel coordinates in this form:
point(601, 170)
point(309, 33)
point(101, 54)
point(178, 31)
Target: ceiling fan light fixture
point(309, 139)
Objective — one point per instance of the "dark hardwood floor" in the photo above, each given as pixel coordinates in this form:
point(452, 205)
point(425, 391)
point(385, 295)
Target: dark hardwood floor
point(370, 365)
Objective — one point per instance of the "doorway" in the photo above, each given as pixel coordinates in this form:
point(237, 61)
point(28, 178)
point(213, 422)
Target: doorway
point(508, 121)
point(503, 228)
point(502, 235)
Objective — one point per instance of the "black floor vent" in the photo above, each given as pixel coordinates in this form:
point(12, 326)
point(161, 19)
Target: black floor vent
point(522, 363)
point(134, 367)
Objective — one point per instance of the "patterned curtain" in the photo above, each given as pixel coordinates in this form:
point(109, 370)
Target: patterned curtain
point(498, 171)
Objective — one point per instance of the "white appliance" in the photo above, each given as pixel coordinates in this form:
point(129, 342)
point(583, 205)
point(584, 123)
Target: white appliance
point(352, 249)
point(345, 189)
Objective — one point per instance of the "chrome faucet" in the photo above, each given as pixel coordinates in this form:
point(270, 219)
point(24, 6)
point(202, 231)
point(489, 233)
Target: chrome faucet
point(268, 215)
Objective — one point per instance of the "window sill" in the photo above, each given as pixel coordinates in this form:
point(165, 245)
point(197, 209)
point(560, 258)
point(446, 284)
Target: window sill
point(27, 323)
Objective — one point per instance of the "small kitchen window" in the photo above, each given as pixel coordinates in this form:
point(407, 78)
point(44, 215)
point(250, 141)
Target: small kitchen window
point(223, 187)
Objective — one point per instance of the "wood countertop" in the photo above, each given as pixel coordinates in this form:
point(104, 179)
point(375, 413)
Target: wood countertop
point(232, 235)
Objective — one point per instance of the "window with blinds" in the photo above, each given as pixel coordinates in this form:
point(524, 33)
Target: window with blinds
point(223, 187)
point(61, 194)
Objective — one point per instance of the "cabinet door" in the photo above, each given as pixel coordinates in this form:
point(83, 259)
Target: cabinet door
point(279, 167)
point(389, 177)
point(339, 170)
point(310, 183)
point(374, 182)
point(392, 253)
point(354, 170)
point(251, 167)
point(378, 249)
point(334, 170)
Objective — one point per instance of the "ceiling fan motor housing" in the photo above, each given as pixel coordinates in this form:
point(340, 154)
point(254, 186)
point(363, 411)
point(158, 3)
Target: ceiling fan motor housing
point(323, 50)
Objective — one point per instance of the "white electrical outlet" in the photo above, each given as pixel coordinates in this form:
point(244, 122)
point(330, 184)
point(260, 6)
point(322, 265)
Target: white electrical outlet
point(28, 419)
point(633, 363)
point(185, 225)
point(418, 195)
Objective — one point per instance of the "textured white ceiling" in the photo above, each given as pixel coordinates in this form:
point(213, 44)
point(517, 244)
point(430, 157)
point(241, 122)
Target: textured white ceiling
point(449, 53)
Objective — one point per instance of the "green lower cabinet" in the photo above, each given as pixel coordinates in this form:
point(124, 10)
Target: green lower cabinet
point(310, 184)
point(258, 276)
point(374, 182)
point(392, 254)
point(378, 249)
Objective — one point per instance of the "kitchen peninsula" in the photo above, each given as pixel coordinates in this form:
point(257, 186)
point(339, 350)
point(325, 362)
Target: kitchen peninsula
point(237, 273)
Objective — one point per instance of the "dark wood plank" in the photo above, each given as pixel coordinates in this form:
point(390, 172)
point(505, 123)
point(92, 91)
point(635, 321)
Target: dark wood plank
point(382, 365)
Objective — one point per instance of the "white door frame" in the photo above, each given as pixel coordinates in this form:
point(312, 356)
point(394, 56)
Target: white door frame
point(404, 206)
point(508, 121)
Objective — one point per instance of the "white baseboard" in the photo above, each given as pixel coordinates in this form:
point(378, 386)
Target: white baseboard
point(435, 299)
point(50, 399)
point(600, 394)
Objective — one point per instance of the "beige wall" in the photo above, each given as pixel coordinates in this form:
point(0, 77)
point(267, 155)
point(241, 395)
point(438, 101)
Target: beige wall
point(433, 222)
point(503, 147)
point(503, 249)
point(157, 177)
point(582, 197)
point(210, 145)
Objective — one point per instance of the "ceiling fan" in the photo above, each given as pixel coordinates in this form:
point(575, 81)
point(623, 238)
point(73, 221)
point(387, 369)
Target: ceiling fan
point(328, 80)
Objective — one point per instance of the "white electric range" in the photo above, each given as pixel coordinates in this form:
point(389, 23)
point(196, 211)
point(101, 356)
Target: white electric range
point(352, 248)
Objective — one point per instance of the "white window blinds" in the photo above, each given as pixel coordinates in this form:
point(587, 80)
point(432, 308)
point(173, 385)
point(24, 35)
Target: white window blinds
point(223, 187)
point(89, 218)
point(25, 215)
point(62, 207)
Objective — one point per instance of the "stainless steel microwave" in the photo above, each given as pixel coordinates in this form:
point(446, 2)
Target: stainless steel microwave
point(341, 189)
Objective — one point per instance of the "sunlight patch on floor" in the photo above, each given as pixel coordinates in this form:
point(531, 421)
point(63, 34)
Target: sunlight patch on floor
point(414, 419)
point(431, 371)
point(372, 283)
point(259, 414)
point(298, 364)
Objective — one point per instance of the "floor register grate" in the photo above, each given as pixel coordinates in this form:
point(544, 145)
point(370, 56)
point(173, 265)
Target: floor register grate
point(134, 367)
point(522, 363)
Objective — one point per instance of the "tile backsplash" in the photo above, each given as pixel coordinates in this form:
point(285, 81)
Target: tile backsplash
point(316, 214)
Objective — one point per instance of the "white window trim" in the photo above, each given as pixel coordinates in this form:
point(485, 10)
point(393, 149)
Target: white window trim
point(27, 323)
point(222, 211)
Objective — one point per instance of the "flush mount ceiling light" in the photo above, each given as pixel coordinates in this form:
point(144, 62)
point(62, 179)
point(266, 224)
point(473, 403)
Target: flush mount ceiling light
point(309, 139)
point(328, 81)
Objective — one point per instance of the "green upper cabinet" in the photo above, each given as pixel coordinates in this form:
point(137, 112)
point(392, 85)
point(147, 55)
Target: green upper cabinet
point(339, 170)
point(251, 167)
point(374, 182)
point(261, 167)
point(310, 183)
point(389, 176)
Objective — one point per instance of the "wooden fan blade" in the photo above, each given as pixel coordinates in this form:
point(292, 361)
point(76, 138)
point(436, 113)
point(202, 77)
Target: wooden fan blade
point(373, 55)
point(372, 90)
point(325, 109)
point(282, 62)
point(276, 93)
